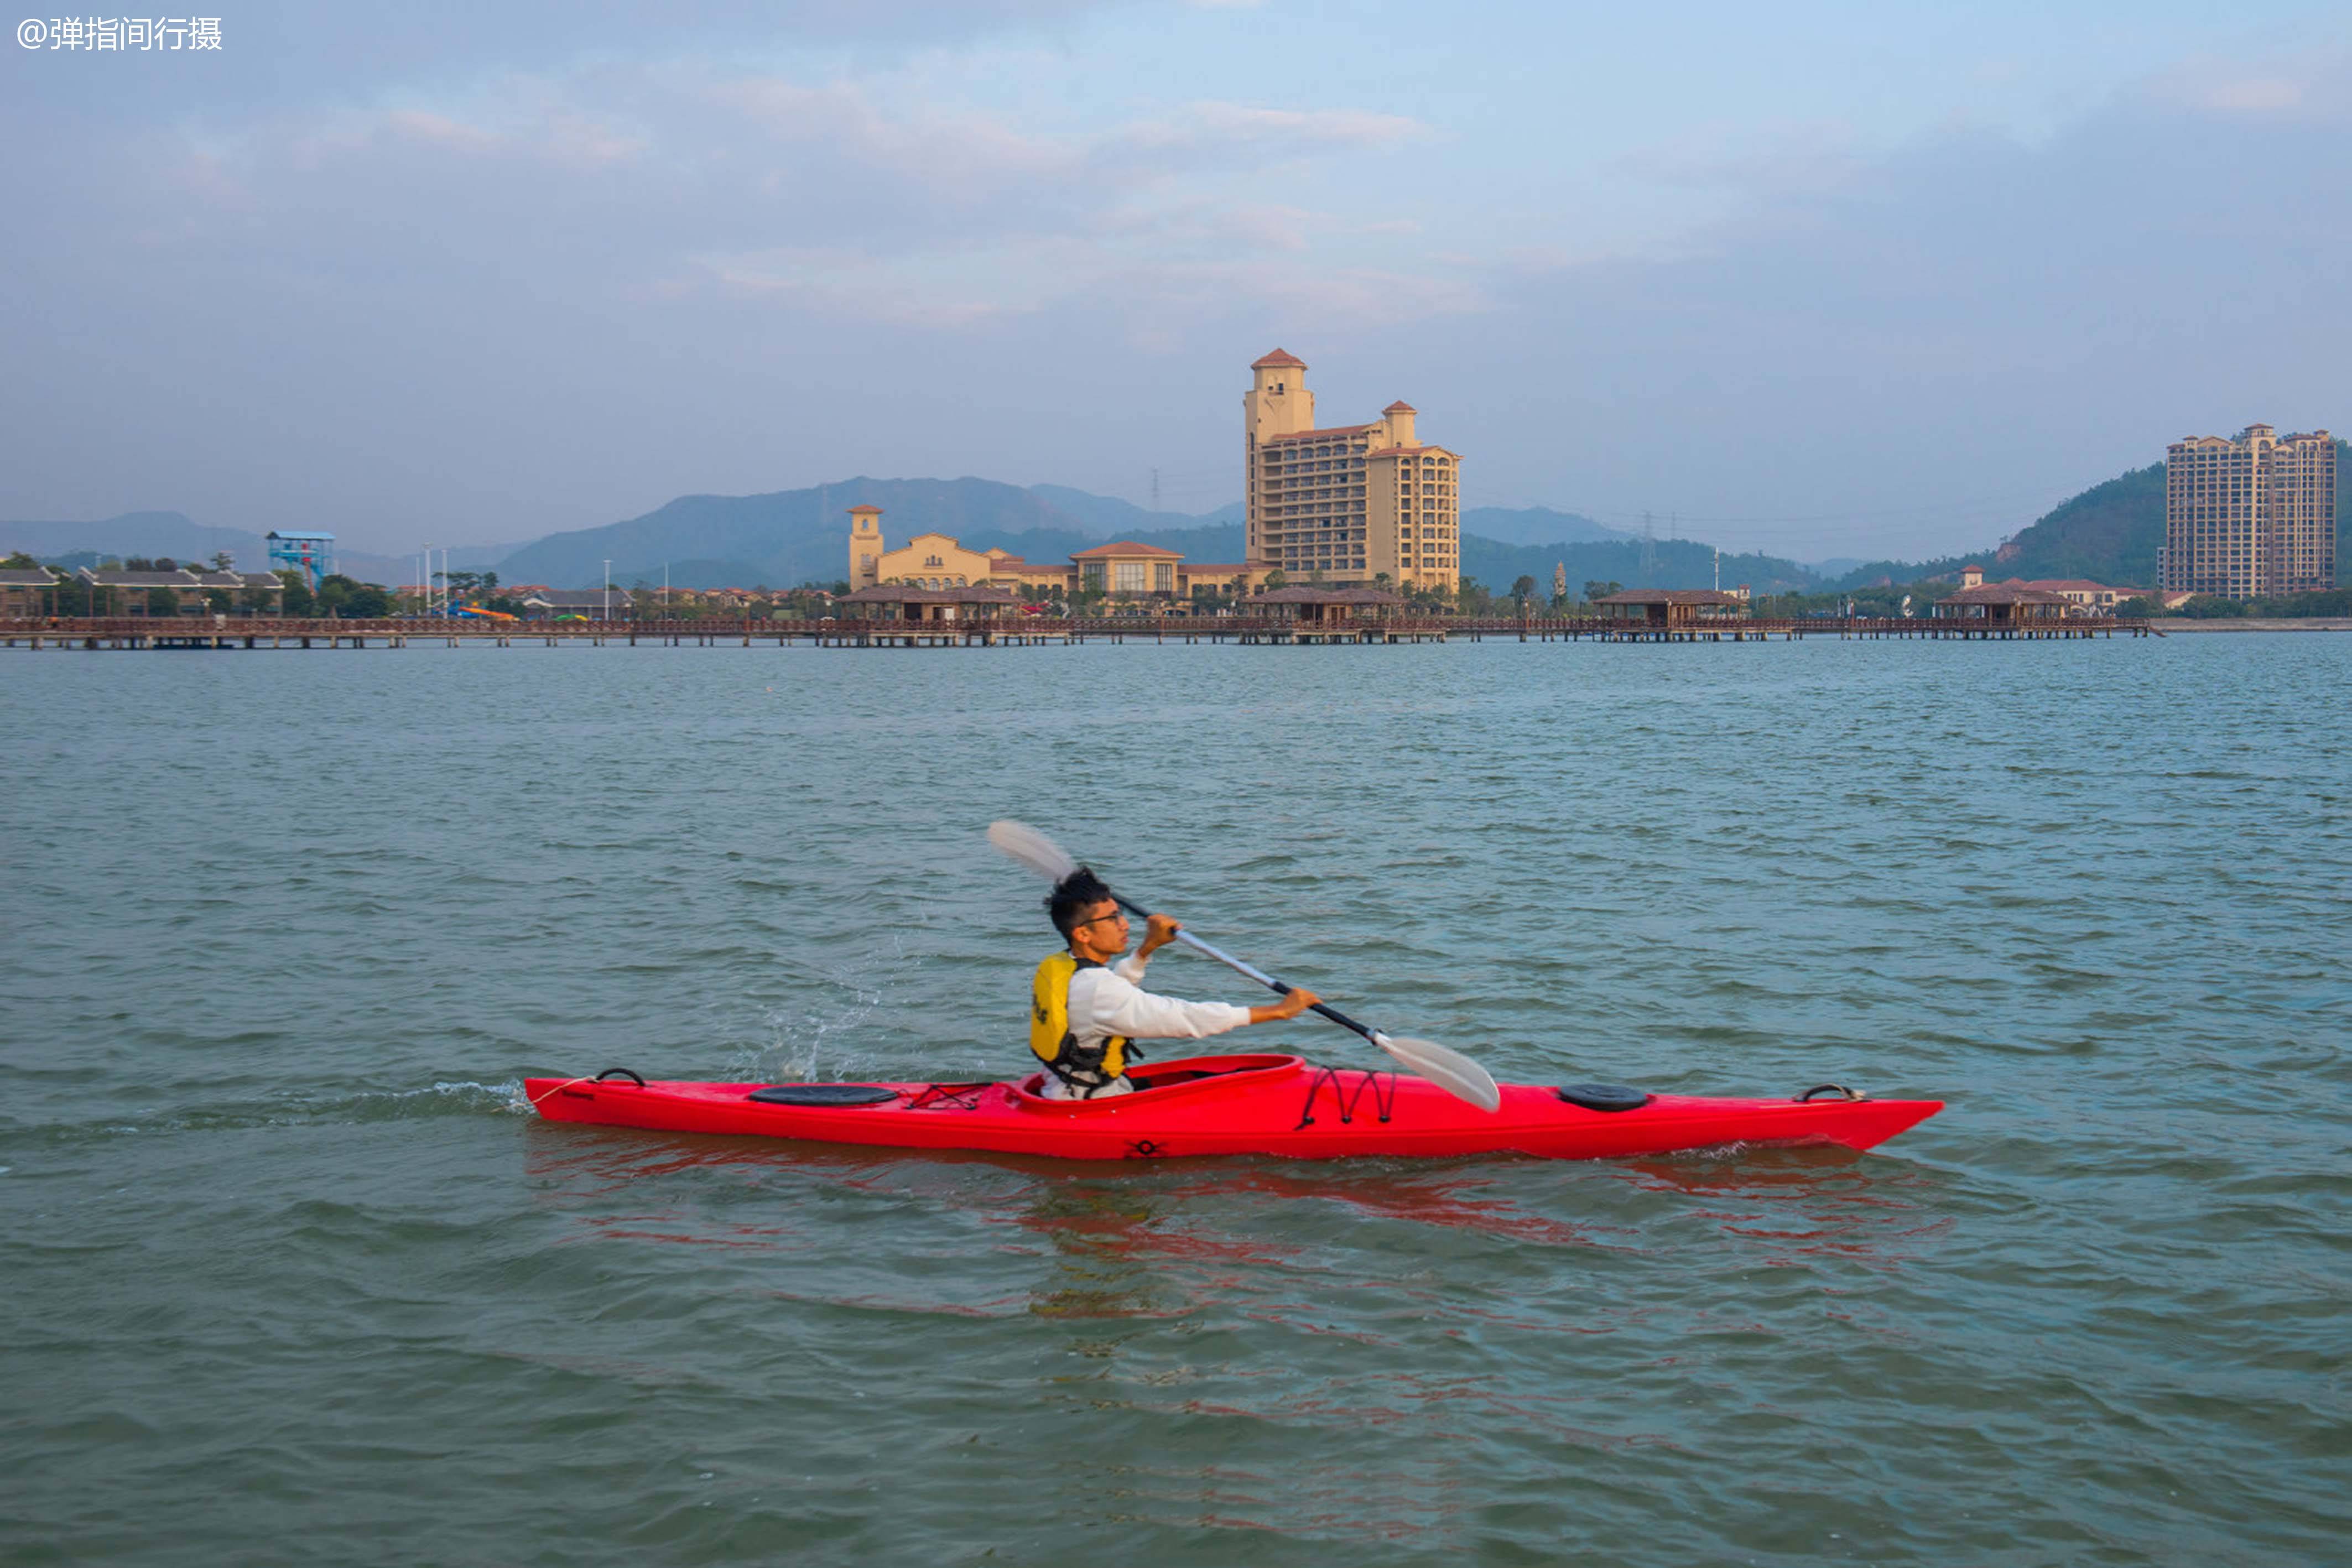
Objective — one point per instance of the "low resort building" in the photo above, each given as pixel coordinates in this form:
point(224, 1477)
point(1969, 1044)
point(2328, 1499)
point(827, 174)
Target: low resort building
point(1328, 608)
point(1670, 608)
point(115, 591)
point(939, 563)
point(21, 591)
point(2088, 598)
point(896, 601)
point(2038, 600)
point(2007, 603)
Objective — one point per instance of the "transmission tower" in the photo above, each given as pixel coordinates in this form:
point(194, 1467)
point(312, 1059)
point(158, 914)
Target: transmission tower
point(1649, 548)
point(1155, 489)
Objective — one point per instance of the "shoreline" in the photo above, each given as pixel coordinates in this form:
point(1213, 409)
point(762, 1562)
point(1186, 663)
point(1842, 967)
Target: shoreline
point(2169, 625)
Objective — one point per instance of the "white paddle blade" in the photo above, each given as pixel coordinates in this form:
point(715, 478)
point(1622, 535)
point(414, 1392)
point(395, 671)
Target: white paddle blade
point(1449, 1070)
point(1031, 849)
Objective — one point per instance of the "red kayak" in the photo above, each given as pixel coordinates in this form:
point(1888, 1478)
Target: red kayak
point(1258, 1104)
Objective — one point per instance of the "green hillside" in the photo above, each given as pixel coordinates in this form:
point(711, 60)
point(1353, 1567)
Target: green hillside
point(1535, 526)
point(1675, 563)
point(2110, 533)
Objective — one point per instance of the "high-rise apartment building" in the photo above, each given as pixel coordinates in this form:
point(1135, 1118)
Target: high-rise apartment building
point(2250, 517)
point(1349, 502)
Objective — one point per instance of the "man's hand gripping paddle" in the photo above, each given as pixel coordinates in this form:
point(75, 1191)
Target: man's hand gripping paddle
point(1449, 1070)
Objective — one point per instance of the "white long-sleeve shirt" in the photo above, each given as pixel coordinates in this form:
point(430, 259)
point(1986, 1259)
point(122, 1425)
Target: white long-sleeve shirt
point(1112, 1000)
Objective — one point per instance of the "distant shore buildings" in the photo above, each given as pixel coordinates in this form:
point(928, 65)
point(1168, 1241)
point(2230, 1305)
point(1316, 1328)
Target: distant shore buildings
point(2250, 517)
point(1354, 507)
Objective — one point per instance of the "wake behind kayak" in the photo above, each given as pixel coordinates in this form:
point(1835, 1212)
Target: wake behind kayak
point(1238, 1104)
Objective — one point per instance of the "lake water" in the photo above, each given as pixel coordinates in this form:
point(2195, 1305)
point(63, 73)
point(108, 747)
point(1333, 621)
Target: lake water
point(290, 1275)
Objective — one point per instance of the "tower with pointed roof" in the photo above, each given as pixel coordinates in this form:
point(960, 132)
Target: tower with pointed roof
point(1347, 505)
point(865, 547)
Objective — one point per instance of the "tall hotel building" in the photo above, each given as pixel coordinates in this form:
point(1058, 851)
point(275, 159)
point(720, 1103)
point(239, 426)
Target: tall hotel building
point(2250, 517)
point(1351, 501)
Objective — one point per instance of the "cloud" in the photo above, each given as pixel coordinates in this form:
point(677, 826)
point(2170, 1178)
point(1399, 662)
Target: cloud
point(1971, 313)
point(531, 296)
point(2307, 86)
point(852, 197)
point(971, 158)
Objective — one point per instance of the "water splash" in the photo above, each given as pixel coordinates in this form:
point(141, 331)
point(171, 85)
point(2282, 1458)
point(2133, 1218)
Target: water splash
point(816, 1037)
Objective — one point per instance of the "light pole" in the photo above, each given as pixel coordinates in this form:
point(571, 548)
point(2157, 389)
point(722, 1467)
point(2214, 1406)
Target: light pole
point(608, 590)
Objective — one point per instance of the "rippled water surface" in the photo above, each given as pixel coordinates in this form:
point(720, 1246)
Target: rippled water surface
point(291, 1277)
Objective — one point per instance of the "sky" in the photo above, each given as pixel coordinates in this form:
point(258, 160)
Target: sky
point(1818, 280)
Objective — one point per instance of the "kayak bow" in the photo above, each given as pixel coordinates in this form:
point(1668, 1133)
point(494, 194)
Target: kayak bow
point(1239, 1105)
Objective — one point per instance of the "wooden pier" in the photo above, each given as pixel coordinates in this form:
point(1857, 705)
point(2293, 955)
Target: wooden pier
point(224, 633)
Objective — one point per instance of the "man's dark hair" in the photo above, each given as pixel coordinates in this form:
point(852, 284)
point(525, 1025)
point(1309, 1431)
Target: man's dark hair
point(1072, 897)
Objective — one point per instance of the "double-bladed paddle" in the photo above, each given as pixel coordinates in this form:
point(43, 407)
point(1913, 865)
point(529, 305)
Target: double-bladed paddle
point(1449, 1070)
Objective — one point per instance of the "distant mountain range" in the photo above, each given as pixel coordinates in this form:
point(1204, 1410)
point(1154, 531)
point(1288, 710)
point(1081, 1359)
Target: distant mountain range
point(2109, 532)
point(793, 536)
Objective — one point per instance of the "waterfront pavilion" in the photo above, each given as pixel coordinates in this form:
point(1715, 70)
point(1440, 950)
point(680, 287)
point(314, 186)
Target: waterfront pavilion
point(1670, 608)
point(1326, 607)
point(897, 602)
point(2003, 604)
point(116, 592)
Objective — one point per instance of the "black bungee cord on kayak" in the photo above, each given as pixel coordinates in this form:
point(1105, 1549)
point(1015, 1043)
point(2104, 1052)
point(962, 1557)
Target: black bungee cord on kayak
point(1384, 1102)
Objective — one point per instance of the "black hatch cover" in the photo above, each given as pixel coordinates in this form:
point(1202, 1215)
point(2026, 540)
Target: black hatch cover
point(1603, 1096)
point(821, 1094)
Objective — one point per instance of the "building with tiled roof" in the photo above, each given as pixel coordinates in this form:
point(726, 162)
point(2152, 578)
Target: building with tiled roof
point(2080, 595)
point(2091, 598)
point(2002, 604)
point(1326, 606)
point(115, 592)
point(1672, 606)
point(1356, 503)
point(22, 588)
point(896, 601)
point(1125, 548)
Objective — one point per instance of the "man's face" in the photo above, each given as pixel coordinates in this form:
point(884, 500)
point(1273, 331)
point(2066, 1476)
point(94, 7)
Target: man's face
point(1104, 928)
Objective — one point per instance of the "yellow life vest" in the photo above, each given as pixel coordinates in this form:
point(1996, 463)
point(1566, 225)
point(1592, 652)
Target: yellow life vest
point(1049, 1029)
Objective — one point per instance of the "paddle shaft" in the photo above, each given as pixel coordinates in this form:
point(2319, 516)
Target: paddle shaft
point(1251, 970)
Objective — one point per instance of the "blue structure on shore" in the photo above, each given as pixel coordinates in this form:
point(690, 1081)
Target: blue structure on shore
point(312, 554)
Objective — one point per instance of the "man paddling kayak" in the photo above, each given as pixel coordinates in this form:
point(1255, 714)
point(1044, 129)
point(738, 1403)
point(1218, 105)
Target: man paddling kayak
point(1086, 1013)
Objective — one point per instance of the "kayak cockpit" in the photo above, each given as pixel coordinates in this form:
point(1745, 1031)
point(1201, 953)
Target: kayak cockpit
point(1190, 1078)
